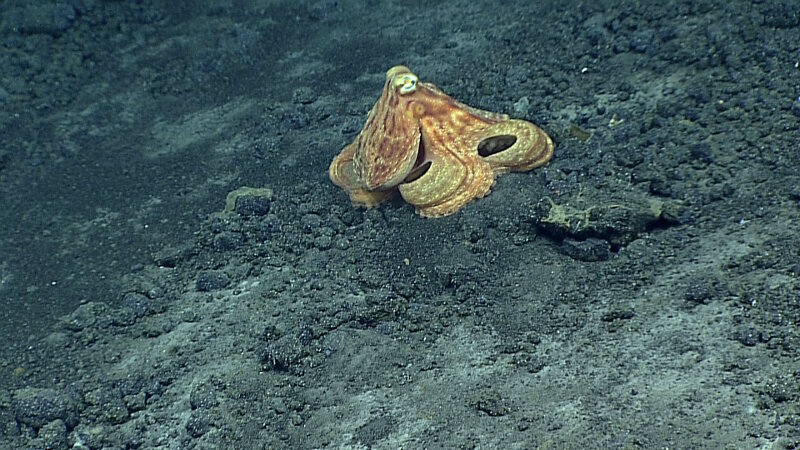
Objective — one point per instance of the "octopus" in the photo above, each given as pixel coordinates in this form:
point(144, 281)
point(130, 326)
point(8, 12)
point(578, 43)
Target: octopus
point(439, 154)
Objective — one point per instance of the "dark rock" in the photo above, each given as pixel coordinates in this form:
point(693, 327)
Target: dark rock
point(784, 14)
point(171, 256)
point(136, 402)
point(264, 229)
point(590, 250)
point(619, 313)
point(324, 9)
point(304, 95)
point(218, 225)
point(700, 291)
point(644, 41)
point(748, 337)
point(54, 435)
point(203, 396)
point(4, 155)
point(282, 354)
point(306, 335)
point(131, 385)
point(45, 18)
point(85, 316)
point(701, 151)
point(293, 120)
point(134, 439)
point(594, 29)
point(794, 190)
point(35, 407)
point(311, 222)
point(138, 304)
point(211, 280)
point(517, 76)
point(323, 242)
point(227, 241)
point(660, 186)
point(199, 423)
point(796, 107)
point(668, 108)
point(783, 389)
point(252, 205)
point(107, 404)
point(375, 430)
point(490, 403)
point(533, 363)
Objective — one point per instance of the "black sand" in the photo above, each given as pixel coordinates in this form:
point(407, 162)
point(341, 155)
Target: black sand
point(640, 291)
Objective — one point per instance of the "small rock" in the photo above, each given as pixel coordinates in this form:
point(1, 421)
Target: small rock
point(795, 193)
point(232, 200)
point(311, 222)
point(203, 396)
point(701, 151)
point(748, 337)
point(170, 256)
point(36, 407)
point(589, 250)
point(252, 205)
point(796, 107)
point(644, 41)
point(282, 354)
point(304, 95)
point(108, 405)
point(700, 292)
point(491, 404)
point(342, 243)
point(293, 120)
point(54, 434)
point(324, 9)
point(782, 14)
point(48, 18)
point(139, 305)
point(618, 313)
point(227, 241)
point(522, 106)
point(211, 281)
point(323, 242)
point(85, 316)
point(136, 402)
point(199, 423)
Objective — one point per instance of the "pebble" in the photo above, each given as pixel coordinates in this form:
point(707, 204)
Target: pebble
point(211, 281)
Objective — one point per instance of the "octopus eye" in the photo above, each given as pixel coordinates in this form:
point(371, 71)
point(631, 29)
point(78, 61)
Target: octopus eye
point(406, 83)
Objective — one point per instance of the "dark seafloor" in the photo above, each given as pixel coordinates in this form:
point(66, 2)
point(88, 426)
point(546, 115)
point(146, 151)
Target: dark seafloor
point(640, 291)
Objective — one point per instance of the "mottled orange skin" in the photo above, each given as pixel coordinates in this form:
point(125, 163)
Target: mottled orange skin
point(438, 153)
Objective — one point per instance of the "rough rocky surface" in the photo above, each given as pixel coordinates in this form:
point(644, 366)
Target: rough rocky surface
point(640, 291)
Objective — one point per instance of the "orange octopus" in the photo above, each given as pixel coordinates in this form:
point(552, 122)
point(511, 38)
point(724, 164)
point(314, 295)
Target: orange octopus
point(438, 153)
